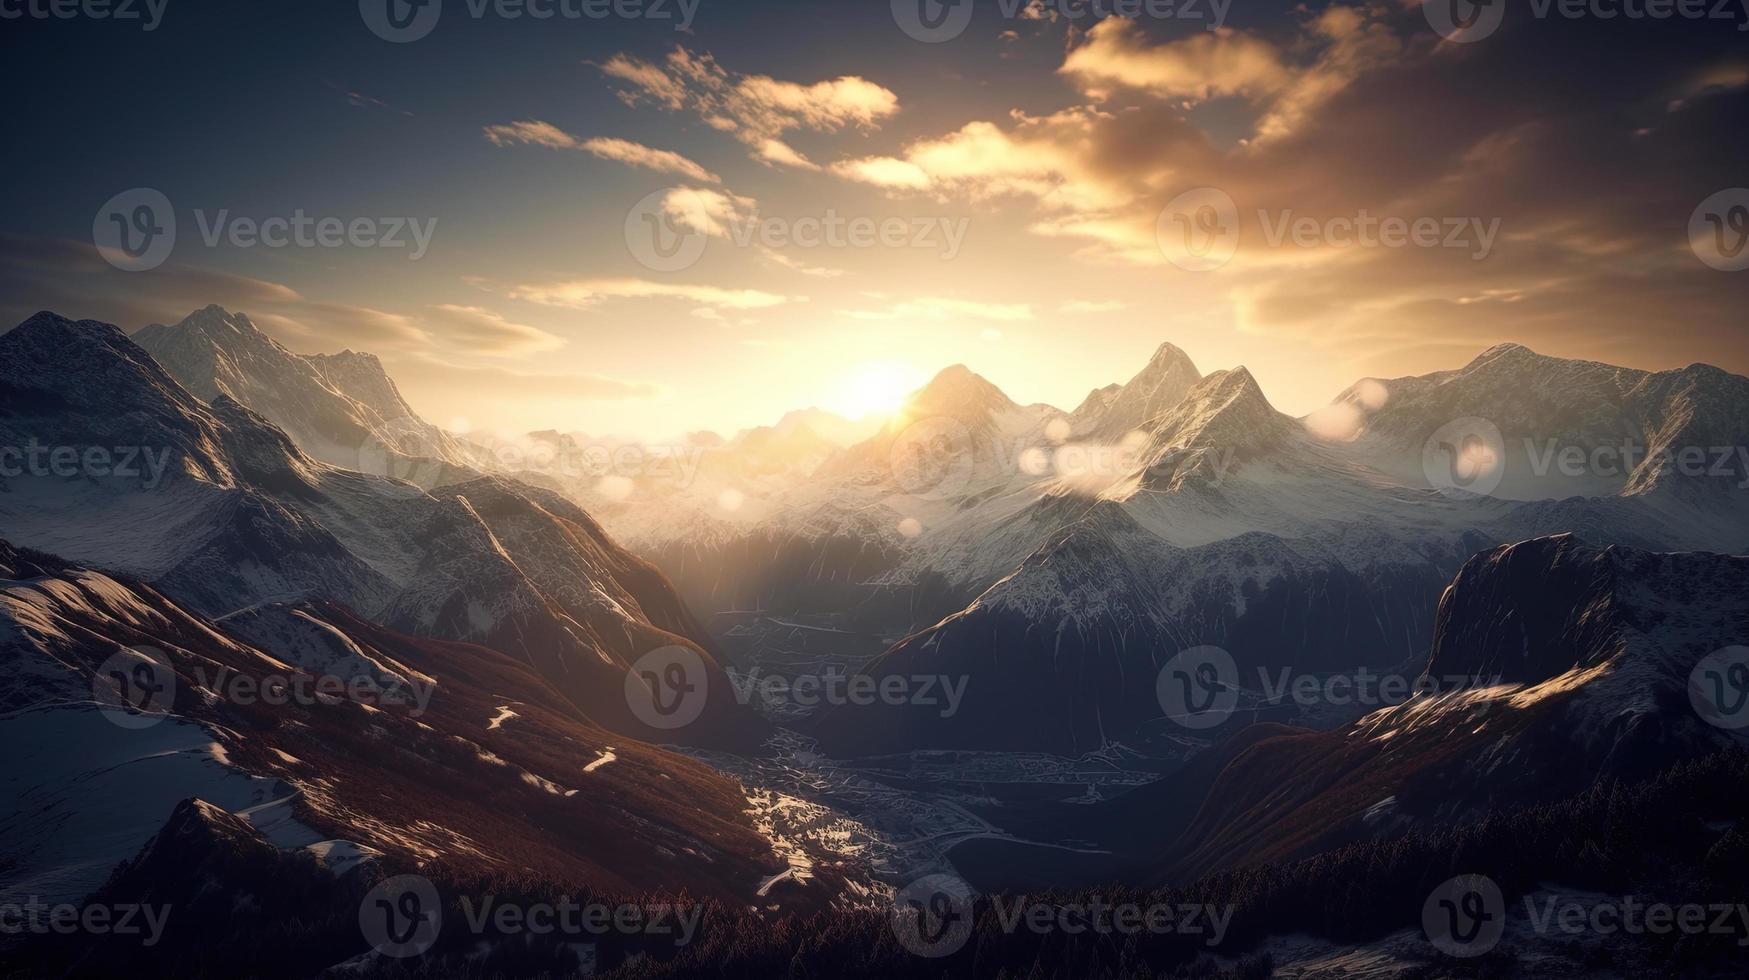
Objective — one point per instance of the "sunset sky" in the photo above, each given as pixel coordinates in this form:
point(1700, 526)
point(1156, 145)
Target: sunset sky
point(1052, 146)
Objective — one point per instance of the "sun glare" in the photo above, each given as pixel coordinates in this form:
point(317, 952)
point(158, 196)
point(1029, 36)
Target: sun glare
point(875, 388)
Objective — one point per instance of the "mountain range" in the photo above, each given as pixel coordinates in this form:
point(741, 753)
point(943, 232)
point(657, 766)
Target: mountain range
point(1525, 523)
point(1059, 560)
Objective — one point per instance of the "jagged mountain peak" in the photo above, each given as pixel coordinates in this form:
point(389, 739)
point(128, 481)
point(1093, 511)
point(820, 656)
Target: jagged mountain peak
point(1155, 390)
point(1096, 401)
point(343, 409)
point(349, 354)
point(959, 392)
point(1505, 350)
point(88, 365)
point(1226, 411)
point(1516, 360)
point(220, 327)
point(50, 333)
point(1227, 391)
point(1169, 355)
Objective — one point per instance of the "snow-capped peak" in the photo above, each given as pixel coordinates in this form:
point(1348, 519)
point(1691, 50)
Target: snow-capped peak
point(1226, 409)
point(1155, 390)
point(958, 392)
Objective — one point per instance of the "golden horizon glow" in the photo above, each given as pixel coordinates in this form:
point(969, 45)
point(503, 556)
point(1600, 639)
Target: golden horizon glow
point(875, 388)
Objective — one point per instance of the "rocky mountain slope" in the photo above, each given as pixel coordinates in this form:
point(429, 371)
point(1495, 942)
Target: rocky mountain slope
point(235, 515)
point(341, 408)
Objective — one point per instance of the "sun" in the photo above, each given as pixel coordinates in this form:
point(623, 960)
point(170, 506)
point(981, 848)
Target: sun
point(874, 388)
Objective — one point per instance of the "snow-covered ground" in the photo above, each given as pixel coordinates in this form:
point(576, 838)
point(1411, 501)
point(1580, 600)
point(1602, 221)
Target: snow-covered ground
point(83, 794)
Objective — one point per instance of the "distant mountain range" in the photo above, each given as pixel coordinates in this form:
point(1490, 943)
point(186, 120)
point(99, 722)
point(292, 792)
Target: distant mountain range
point(1054, 559)
point(1059, 560)
point(342, 409)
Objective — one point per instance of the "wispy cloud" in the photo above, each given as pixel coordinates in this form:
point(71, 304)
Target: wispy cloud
point(483, 331)
point(537, 133)
point(756, 109)
point(796, 265)
point(706, 211)
point(1200, 66)
point(585, 293)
